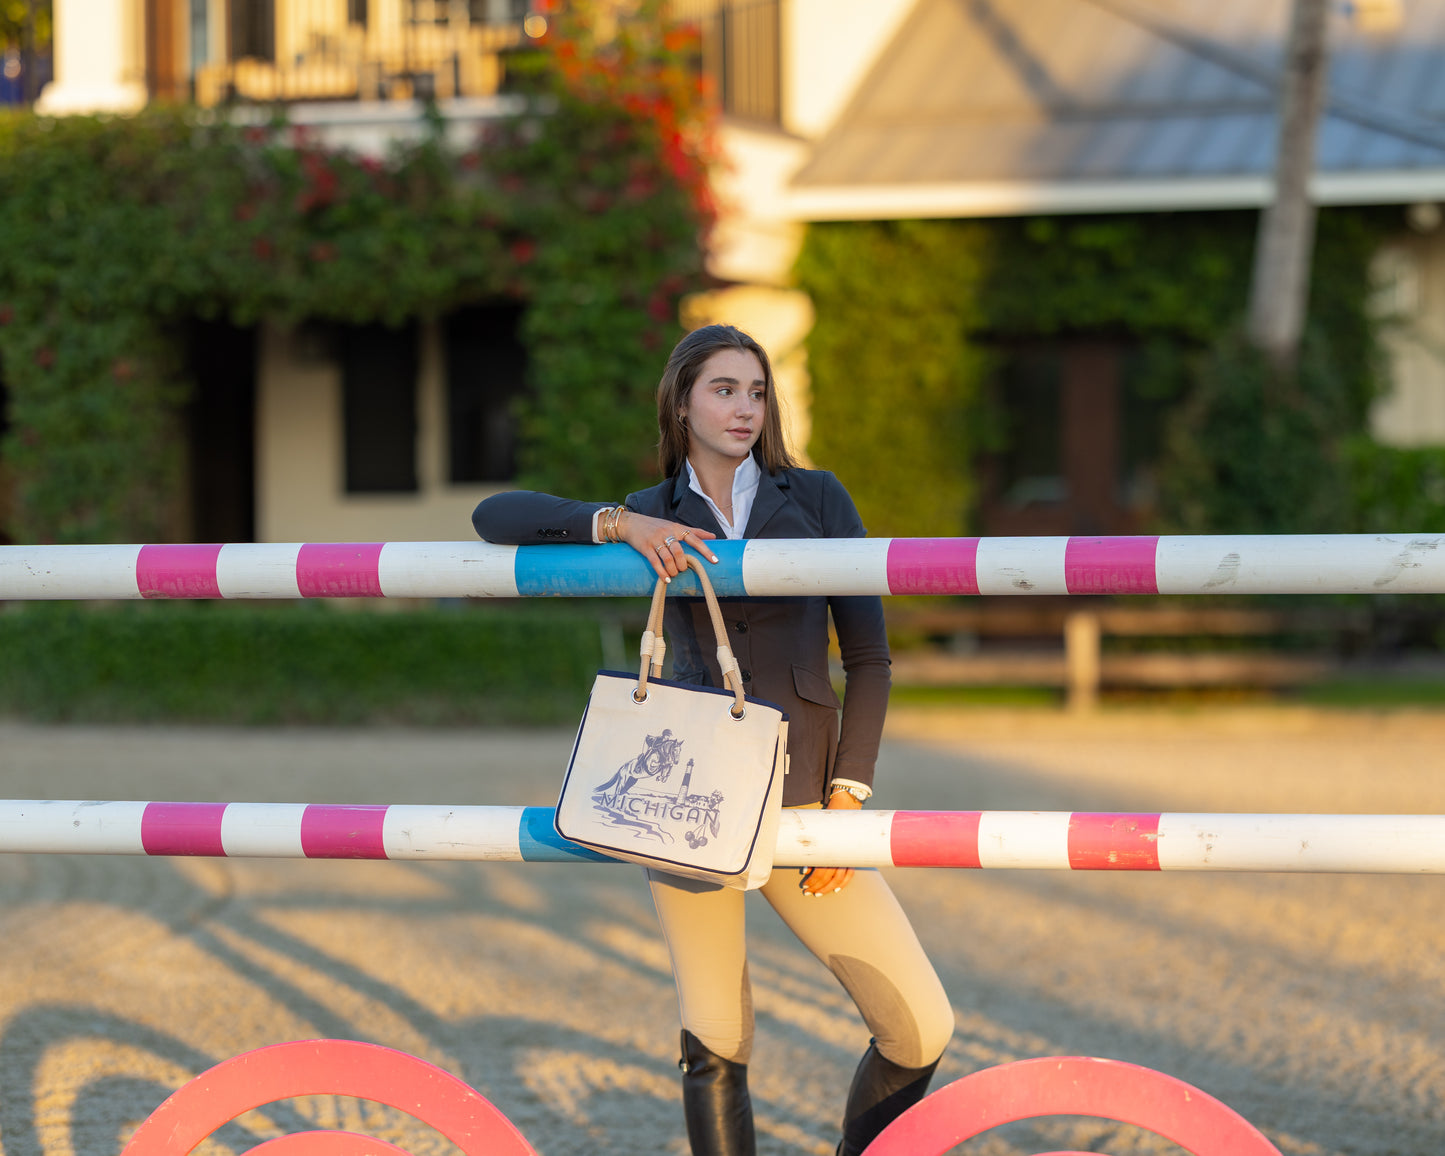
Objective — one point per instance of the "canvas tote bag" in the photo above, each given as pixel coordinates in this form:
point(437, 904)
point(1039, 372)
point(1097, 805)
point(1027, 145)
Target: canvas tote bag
point(687, 779)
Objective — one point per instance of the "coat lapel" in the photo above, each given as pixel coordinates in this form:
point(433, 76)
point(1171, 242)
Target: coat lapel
point(772, 495)
point(690, 509)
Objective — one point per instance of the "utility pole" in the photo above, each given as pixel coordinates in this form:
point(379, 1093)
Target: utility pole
point(1280, 284)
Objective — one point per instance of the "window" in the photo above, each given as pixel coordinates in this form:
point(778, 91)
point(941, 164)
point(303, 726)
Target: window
point(222, 428)
point(486, 374)
point(253, 29)
point(1031, 469)
point(498, 11)
point(741, 54)
point(1081, 421)
point(378, 374)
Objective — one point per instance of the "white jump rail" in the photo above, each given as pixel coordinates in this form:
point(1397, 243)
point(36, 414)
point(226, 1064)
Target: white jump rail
point(1080, 841)
point(761, 568)
point(1239, 564)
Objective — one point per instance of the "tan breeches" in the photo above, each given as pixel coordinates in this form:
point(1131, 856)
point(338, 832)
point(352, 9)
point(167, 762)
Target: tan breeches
point(860, 933)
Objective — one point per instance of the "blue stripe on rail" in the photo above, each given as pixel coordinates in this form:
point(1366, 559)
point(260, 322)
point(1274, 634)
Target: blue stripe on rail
point(573, 571)
point(539, 842)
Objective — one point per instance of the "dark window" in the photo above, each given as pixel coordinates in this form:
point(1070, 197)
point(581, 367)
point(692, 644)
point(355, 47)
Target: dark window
point(378, 375)
point(498, 11)
point(1031, 469)
point(486, 374)
point(253, 29)
point(356, 12)
point(222, 429)
point(1067, 441)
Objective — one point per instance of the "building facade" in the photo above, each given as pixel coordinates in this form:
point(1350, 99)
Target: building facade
point(831, 110)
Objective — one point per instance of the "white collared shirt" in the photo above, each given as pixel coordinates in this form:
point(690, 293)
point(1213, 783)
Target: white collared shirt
point(745, 488)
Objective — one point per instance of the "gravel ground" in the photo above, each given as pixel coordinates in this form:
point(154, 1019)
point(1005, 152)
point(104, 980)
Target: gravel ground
point(1313, 1005)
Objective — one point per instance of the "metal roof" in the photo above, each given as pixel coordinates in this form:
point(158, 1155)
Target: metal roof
point(984, 107)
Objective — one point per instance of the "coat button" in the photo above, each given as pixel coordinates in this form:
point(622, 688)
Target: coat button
point(747, 676)
point(740, 627)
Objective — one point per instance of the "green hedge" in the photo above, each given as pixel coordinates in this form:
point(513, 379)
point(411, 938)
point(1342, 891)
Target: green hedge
point(911, 314)
point(242, 663)
point(1397, 490)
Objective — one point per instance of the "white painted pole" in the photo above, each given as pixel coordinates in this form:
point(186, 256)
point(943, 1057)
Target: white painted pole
point(1034, 840)
point(760, 568)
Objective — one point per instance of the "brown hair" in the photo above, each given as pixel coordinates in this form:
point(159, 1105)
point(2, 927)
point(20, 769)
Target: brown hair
point(680, 375)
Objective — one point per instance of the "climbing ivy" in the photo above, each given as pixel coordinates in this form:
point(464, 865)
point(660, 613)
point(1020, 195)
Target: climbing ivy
point(909, 314)
point(586, 205)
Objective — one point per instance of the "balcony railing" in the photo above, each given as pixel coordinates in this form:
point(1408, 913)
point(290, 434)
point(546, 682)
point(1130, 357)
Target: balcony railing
point(360, 49)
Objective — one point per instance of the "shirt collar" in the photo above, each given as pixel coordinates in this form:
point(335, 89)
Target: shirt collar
point(745, 487)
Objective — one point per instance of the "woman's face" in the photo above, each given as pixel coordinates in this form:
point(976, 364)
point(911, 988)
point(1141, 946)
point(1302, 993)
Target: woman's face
point(726, 407)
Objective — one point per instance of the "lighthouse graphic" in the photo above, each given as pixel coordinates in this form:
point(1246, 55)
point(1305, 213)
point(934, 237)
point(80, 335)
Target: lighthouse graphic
point(624, 800)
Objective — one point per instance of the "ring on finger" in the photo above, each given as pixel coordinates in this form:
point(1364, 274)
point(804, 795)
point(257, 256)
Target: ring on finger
point(669, 541)
point(686, 532)
point(660, 549)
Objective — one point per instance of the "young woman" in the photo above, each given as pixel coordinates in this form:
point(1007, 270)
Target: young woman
point(728, 474)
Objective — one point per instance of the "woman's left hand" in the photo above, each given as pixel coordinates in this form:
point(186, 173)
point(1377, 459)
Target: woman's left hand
point(819, 881)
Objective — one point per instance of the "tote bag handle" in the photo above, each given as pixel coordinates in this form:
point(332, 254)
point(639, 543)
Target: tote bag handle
point(654, 648)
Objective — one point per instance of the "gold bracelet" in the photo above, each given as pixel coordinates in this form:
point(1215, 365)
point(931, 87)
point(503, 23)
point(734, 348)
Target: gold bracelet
point(611, 523)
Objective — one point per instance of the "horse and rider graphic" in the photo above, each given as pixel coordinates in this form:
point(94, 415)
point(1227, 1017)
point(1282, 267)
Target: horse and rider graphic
point(650, 813)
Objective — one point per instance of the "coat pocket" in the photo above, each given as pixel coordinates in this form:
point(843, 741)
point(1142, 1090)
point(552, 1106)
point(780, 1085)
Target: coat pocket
point(813, 687)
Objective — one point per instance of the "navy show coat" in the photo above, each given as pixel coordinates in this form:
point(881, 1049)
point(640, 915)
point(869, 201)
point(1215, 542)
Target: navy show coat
point(781, 644)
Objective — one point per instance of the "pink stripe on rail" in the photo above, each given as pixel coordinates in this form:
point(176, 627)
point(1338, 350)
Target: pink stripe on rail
point(933, 566)
point(339, 570)
point(1111, 565)
point(1113, 842)
point(339, 832)
point(177, 571)
point(934, 839)
point(182, 828)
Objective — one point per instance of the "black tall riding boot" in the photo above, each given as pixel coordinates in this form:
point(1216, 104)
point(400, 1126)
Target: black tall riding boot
point(881, 1092)
point(715, 1102)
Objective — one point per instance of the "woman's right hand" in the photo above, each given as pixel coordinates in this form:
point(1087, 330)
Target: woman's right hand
point(661, 542)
